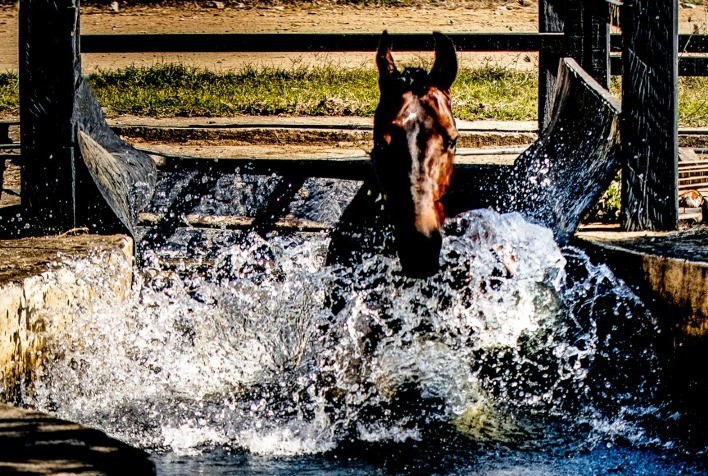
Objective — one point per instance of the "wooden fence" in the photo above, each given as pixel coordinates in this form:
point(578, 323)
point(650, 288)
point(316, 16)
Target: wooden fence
point(648, 61)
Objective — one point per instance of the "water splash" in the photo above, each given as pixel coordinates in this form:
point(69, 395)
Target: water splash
point(264, 348)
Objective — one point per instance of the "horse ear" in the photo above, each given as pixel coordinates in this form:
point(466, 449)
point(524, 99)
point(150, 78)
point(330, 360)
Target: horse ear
point(384, 60)
point(444, 69)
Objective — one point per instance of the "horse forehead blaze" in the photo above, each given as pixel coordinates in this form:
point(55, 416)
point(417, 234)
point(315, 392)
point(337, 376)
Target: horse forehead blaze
point(429, 113)
point(414, 145)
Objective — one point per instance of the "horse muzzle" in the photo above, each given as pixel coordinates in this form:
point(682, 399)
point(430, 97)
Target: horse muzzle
point(419, 253)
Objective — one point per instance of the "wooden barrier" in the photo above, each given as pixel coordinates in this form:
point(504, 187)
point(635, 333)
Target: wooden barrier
point(649, 125)
point(75, 170)
point(556, 180)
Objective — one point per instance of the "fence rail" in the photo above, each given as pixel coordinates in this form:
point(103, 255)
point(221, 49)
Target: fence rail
point(310, 42)
point(554, 43)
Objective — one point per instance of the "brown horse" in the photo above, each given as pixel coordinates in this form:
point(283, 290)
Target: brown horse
point(414, 145)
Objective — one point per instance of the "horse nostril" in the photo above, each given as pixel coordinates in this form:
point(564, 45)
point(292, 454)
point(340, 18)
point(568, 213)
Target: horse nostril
point(419, 253)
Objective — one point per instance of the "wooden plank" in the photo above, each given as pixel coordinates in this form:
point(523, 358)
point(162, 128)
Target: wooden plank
point(311, 42)
point(687, 66)
point(225, 222)
point(115, 179)
point(565, 171)
point(49, 69)
point(550, 21)
point(101, 183)
point(686, 43)
point(649, 124)
point(693, 66)
point(596, 48)
point(303, 42)
point(5, 133)
point(351, 169)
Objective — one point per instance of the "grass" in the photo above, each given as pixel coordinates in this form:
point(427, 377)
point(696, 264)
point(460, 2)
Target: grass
point(327, 90)
point(177, 90)
point(9, 94)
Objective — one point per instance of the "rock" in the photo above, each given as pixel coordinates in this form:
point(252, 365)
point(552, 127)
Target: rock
point(50, 277)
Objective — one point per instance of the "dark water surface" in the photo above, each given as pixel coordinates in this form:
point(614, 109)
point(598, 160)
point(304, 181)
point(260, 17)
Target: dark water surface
point(493, 462)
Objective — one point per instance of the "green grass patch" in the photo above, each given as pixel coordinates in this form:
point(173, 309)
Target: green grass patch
point(693, 101)
point(9, 94)
point(495, 93)
point(177, 90)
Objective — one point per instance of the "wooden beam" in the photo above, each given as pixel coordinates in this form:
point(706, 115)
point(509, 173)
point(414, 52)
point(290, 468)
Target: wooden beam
point(687, 65)
point(49, 70)
point(225, 222)
point(550, 21)
point(649, 123)
point(75, 170)
point(312, 42)
point(596, 48)
point(686, 43)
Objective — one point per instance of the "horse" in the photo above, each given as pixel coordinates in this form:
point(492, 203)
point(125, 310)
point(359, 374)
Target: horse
point(415, 138)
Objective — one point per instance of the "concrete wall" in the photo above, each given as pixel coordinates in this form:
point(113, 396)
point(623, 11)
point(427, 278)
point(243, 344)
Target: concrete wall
point(42, 280)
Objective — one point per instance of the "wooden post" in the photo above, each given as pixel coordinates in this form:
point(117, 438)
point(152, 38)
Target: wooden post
point(596, 33)
point(585, 24)
point(550, 20)
point(49, 72)
point(649, 125)
point(75, 170)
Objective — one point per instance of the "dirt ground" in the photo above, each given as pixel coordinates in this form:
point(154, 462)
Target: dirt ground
point(192, 18)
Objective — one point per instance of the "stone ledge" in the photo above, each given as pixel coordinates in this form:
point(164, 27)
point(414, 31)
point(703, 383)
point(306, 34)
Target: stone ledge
point(35, 443)
point(41, 280)
point(662, 267)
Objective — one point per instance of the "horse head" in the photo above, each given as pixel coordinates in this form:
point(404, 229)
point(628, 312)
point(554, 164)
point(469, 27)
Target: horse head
point(414, 145)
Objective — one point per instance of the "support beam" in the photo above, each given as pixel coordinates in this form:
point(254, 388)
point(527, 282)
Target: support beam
point(75, 170)
point(596, 51)
point(649, 124)
point(586, 30)
point(550, 20)
point(49, 71)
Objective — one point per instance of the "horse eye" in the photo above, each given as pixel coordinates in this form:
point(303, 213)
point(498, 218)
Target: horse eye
point(452, 144)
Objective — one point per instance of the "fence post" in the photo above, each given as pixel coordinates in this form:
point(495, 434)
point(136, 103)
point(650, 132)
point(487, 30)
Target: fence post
point(75, 170)
point(585, 25)
point(49, 72)
point(596, 51)
point(550, 20)
point(649, 123)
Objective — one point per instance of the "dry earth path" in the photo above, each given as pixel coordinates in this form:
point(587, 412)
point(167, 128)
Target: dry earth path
point(505, 16)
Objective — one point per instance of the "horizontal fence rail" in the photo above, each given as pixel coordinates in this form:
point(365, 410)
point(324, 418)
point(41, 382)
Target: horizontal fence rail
point(686, 43)
point(694, 64)
point(310, 42)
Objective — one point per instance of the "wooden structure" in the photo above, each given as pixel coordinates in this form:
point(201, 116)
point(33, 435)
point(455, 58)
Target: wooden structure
point(650, 128)
point(76, 172)
point(556, 180)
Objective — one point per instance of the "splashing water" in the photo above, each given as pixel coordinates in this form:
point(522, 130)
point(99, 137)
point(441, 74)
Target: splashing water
point(267, 350)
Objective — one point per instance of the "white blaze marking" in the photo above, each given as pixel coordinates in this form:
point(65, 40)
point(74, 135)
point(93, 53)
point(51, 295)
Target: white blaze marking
point(411, 117)
point(421, 186)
